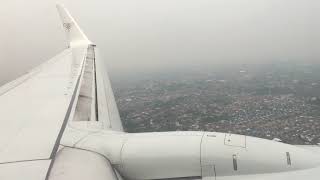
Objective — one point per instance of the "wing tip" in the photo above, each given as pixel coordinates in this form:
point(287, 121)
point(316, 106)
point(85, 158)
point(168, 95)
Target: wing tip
point(74, 33)
point(59, 5)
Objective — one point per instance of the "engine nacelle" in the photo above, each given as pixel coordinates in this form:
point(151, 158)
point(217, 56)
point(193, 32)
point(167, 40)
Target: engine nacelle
point(231, 154)
point(207, 154)
point(161, 155)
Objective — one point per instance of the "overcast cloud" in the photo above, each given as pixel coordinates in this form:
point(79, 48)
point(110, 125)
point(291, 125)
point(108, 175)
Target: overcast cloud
point(135, 35)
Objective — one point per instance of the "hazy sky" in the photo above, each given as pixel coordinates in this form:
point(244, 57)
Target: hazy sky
point(139, 35)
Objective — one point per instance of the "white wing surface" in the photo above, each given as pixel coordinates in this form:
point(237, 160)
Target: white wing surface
point(36, 108)
point(108, 110)
point(34, 111)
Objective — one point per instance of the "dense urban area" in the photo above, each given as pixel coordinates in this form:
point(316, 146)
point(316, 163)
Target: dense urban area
point(279, 101)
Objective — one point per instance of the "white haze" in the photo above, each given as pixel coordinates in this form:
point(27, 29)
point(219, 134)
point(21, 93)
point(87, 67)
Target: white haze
point(146, 35)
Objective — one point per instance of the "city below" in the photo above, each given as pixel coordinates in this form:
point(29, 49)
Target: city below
point(279, 101)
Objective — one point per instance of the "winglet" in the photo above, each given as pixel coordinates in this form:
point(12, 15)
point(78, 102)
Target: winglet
point(74, 34)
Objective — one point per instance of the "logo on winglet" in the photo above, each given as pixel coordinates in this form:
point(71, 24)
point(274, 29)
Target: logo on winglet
point(67, 26)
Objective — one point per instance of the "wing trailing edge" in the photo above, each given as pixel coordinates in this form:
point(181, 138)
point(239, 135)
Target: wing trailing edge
point(98, 103)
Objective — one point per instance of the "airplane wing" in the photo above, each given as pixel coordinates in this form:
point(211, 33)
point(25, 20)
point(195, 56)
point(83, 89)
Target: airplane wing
point(95, 87)
point(60, 121)
point(36, 108)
